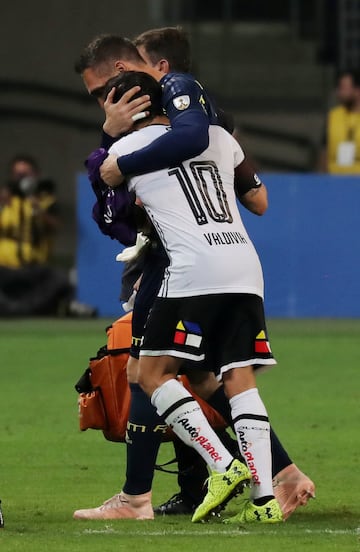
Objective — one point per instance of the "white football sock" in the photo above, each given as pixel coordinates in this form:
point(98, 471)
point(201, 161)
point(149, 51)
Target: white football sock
point(253, 434)
point(180, 411)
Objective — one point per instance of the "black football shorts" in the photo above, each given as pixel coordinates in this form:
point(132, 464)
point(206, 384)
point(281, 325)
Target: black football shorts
point(225, 330)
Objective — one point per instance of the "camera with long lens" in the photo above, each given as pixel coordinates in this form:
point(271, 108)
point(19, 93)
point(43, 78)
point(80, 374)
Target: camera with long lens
point(24, 187)
point(29, 185)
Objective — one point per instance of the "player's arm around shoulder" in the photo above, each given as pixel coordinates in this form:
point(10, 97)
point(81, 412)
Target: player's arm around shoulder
point(184, 104)
point(250, 190)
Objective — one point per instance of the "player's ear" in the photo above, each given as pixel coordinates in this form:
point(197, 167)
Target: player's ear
point(163, 66)
point(120, 66)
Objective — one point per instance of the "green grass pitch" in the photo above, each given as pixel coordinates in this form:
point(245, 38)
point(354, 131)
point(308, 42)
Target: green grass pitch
point(49, 468)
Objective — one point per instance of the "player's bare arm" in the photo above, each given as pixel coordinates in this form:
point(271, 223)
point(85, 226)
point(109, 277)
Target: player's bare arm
point(120, 115)
point(110, 172)
point(249, 189)
point(255, 200)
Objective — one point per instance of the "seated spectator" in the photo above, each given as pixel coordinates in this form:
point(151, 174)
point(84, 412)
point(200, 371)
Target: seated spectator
point(29, 219)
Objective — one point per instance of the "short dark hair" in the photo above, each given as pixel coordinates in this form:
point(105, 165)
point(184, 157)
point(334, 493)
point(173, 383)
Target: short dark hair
point(128, 79)
point(24, 158)
point(104, 49)
point(353, 73)
point(171, 43)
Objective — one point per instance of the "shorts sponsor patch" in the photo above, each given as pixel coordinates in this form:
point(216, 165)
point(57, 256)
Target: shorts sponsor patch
point(262, 345)
point(188, 333)
point(181, 102)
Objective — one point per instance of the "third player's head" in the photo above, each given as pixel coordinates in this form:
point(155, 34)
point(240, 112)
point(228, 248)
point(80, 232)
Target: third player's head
point(166, 49)
point(127, 80)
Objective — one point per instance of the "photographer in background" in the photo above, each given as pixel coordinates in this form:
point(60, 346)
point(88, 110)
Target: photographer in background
point(29, 216)
point(29, 220)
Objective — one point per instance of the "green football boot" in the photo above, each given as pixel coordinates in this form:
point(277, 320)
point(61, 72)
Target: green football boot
point(221, 488)
point(269, 513)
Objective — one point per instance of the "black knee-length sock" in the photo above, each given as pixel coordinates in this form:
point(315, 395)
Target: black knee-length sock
point(144, 434)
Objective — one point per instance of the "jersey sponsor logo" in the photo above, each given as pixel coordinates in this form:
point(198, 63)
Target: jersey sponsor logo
point(188, 333)
point(224, 238)
point(181, 102)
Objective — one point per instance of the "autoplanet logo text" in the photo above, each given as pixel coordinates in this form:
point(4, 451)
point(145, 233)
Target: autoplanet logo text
point(198, 438)
point(249, 458)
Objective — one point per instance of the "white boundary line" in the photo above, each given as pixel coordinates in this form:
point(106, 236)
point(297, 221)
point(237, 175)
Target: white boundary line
point(194, 533)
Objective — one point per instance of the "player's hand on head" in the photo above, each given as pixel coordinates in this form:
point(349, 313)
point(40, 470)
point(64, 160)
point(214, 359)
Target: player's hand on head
point(110, 172)
point(119, 115)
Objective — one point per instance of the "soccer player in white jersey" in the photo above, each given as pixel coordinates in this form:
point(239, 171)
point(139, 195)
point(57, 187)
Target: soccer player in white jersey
point(210, 305)
point(164, 50)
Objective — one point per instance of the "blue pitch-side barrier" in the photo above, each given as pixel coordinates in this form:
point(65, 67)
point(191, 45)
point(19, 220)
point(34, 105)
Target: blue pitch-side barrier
point(308, 243)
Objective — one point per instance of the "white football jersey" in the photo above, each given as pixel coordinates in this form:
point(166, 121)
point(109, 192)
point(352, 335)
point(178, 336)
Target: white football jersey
point(193, 208)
